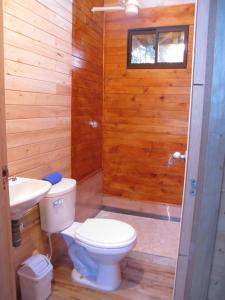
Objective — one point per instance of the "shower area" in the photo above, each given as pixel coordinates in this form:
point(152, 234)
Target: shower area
point(126, 122)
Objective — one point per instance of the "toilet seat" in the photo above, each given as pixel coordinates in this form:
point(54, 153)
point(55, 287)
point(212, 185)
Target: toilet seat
point(105, 233)
point(102, 233)
point(96, 248)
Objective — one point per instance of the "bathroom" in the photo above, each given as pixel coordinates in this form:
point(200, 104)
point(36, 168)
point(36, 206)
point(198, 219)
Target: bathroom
point(77, 104)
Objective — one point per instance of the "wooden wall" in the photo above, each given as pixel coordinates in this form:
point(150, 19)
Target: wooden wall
point(7, 278)
point(145, 112)
point(38, 48)
point(37, 36)
point(87, 88)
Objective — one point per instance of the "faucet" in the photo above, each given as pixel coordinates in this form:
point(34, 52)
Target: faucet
point(12, 178)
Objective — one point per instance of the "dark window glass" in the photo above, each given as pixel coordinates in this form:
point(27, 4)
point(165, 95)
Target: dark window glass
point(143, 49)
point(162, 47)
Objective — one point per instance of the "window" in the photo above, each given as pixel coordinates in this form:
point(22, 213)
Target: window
point(158, 48)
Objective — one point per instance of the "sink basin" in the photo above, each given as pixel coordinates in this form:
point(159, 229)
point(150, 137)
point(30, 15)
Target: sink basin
point(25, 193)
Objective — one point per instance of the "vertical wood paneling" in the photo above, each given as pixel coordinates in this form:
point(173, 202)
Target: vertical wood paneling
point(145, 112)
point(38, 48)
point(87, 88)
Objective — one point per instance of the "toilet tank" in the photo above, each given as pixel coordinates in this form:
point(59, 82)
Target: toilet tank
point(57, 209)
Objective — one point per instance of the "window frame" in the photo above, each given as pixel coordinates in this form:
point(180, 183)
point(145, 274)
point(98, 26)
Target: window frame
point(157, 31)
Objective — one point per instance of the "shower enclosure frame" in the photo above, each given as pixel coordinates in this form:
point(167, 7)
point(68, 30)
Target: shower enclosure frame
point(205, 156)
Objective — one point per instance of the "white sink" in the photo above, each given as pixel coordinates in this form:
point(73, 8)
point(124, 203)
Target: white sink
point(25, 193)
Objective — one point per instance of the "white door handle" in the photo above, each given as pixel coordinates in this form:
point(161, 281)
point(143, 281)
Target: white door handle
point(178, 156)
point(175, 156)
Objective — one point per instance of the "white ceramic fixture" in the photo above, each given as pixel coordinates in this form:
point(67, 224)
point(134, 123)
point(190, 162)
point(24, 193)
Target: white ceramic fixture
point(95, 247)
point(25, 193)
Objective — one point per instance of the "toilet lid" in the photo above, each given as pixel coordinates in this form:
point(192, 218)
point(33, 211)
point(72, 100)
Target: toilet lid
point(105, 233)
point(63, 187)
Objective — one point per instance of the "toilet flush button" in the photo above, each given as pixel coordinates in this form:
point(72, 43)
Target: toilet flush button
point(58, 203)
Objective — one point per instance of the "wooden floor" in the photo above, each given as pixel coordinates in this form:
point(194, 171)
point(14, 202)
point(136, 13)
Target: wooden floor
point(145, 277)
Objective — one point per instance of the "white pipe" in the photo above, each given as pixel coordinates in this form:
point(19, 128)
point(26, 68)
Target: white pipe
point(107, 8)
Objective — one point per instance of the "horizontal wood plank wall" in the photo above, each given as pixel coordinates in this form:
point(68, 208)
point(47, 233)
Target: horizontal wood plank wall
point(145, 112)
point(38, 63)
point(87, 88)
point(38, 47)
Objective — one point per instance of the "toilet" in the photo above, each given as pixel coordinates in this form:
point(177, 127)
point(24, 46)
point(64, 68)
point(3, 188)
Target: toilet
point(95, 247)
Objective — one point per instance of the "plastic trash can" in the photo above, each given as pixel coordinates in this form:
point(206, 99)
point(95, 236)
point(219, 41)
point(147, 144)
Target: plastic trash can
point(35, 278)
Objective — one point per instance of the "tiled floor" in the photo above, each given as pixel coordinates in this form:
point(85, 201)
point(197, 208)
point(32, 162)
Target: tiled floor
point(157, 237)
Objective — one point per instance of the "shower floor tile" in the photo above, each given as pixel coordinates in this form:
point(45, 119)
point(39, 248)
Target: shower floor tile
point(155, 236)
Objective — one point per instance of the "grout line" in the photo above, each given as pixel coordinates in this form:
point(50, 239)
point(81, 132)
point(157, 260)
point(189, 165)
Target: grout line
point(140, 214)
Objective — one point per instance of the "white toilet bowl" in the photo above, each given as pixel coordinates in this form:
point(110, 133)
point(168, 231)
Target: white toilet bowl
point(96, 246)
point(107, 242)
